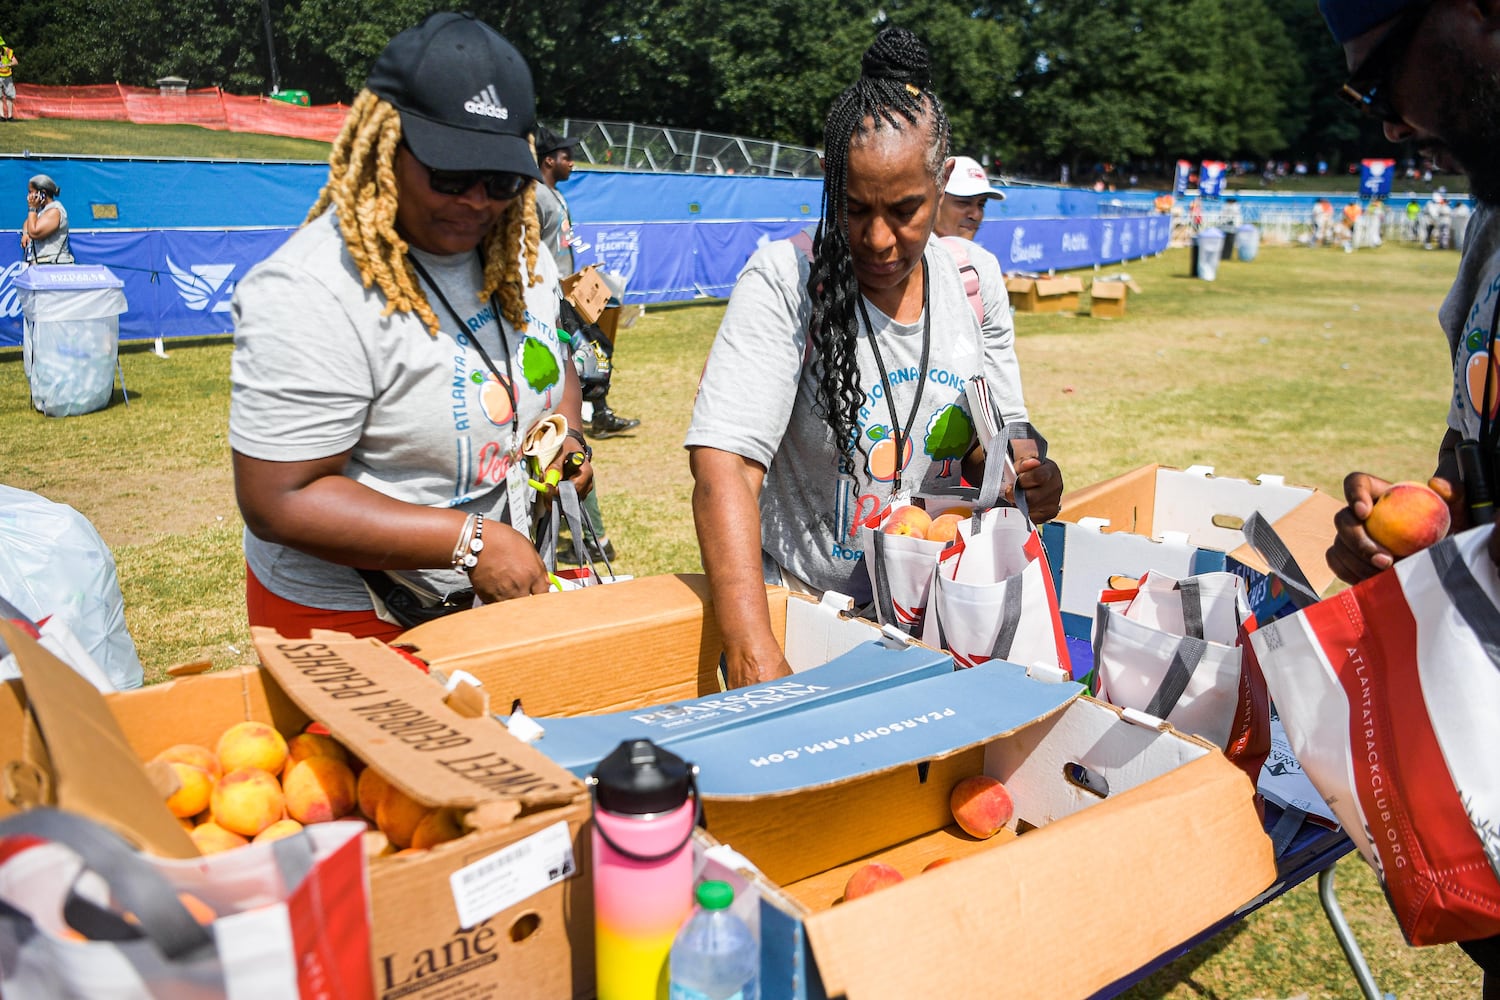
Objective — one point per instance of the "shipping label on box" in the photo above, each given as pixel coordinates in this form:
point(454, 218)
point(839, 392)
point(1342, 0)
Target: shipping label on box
point(507, 906)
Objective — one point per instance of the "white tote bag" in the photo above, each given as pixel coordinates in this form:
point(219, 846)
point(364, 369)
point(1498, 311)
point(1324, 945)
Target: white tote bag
point(1175, 649)
point(993, 598)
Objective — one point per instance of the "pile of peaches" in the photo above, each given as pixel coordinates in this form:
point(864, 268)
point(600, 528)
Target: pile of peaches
point(256, 785)
point(917, 523)
point(981, 807)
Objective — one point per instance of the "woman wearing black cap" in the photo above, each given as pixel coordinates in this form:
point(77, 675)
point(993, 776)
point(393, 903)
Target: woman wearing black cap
point(833, 370)
point(44, 234)
point(392, 358)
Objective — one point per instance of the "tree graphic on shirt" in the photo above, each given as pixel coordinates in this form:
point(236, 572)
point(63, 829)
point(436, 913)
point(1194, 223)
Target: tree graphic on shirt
point(950, 432)
point(539, 365)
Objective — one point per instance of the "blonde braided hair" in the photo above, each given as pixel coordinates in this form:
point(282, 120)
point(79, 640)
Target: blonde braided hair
point(362, 190)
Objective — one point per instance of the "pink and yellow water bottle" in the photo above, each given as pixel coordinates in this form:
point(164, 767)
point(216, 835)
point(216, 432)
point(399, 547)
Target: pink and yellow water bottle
point(645, 807)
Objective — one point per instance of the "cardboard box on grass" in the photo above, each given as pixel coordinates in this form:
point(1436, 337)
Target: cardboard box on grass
point(1107, 297)
point(530, 928)
point(1021, 289)
point(1181, 522)
point(654, 641)
point(1063, 293)
point(588, 293)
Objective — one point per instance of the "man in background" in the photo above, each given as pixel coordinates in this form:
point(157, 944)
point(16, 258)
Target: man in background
point(1427, 70)
point(962, 208)
point(7, 82)
point(554, 155)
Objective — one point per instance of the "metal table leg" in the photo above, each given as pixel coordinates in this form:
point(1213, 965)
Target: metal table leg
point(1345, 934)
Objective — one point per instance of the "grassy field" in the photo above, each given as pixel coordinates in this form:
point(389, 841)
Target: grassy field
point(54, 136)
point(1307, 363)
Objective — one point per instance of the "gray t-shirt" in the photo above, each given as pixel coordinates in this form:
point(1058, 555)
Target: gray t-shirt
point(556, 226)
point(1466, 316)
point(54, 249)
point(756, 399)
point(317, 370)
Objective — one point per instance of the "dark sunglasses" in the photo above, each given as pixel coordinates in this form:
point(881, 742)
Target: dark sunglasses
point(1368, 87)
point(498, 185)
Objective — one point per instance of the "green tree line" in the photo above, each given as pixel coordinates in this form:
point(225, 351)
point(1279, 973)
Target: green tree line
point(1034, 84)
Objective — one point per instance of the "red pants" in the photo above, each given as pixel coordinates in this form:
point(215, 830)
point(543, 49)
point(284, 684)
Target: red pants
point(296, 621)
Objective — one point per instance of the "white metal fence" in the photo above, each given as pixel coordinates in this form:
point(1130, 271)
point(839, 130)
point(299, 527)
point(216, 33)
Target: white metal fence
point(629, 146)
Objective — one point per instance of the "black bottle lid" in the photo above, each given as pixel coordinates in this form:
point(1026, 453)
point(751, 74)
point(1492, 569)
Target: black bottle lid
point(639, 777)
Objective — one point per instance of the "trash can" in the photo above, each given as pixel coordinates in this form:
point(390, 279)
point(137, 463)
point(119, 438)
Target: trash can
point(1193, 256)
point(71, 335)
point(1210, 247)
point(1226, 252)
point(1248, 244)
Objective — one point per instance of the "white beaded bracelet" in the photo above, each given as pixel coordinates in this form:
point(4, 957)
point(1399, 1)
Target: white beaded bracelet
point(470, 558)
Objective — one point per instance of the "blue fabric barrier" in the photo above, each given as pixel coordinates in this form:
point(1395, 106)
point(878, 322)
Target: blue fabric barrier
point(667, 262)
point(177, 283)
point(181, 234)
point(170, 194)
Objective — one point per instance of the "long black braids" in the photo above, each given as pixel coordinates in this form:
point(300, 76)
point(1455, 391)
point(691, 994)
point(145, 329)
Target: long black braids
point(893, 91)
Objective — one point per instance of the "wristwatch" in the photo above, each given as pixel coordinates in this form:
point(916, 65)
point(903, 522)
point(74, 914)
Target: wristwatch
point(577, 435)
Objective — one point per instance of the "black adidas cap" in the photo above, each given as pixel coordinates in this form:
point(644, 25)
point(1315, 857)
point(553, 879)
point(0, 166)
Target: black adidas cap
point(464, 94)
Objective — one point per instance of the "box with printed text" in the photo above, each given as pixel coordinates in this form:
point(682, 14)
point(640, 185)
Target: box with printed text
point(505, 907)
point(809, 777)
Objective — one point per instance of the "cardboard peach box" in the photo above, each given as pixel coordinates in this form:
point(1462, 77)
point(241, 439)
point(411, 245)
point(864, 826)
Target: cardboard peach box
point(470, 918)
point(1108, 809)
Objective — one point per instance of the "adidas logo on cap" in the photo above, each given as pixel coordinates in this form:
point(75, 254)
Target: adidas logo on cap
point(487, 102)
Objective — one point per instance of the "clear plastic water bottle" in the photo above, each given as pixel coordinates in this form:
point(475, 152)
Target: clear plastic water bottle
point(715, 956)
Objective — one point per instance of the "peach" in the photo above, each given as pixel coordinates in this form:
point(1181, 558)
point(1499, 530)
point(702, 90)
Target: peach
point(252, 744)
point(944, 528)
point(212, 838)
point(191, 753)
point(398, 816)
point(981, 806)
point(869, 878)
point(247, 800)
point(277, 830)
point(1407, 518)
point(305, 745)
point(318, 789)
point(195, 786)
point(909, 520)
point(940, 862)
point(437, 827)
point(370, 790)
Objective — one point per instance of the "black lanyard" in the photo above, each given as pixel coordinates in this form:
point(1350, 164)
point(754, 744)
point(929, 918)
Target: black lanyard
point(902, 433)
point(509, 382)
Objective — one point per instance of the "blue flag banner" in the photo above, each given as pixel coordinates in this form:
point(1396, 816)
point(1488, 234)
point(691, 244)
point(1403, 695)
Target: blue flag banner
point(1375, 178)
point(1180, 180)
point(1211, 178)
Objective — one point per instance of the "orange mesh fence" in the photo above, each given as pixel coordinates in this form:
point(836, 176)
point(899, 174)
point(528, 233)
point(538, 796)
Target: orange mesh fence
point(210, 108)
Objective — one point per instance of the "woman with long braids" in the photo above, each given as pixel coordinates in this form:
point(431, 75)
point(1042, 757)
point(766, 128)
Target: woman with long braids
point(392, 356)
point(827, 384)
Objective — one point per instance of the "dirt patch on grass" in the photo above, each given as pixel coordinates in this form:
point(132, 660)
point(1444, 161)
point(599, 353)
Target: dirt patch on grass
point(151, 503)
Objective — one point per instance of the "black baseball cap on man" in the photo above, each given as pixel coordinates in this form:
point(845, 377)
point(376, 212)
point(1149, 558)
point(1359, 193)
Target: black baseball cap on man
point(464, 94)
point(549, 142)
